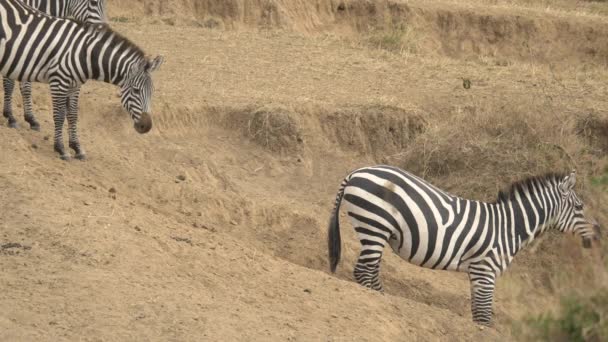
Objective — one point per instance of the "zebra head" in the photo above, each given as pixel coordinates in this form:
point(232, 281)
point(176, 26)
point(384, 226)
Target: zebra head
point(88, 11)
point(571, 217)
point(136, 92)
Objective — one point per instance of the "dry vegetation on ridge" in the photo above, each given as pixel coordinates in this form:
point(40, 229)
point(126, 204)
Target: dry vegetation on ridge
point(212, 226)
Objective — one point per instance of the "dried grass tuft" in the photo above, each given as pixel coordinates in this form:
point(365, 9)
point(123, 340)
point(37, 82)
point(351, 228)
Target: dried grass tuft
point(276, 128)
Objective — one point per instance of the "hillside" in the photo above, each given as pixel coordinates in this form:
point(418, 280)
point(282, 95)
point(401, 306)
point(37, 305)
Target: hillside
point(213, 225)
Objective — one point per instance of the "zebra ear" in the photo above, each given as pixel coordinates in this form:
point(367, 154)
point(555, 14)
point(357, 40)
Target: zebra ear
point(154, 64)
point(567, 184)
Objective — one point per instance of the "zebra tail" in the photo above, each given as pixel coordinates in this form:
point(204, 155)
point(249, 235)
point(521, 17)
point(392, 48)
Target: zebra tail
point(334, 242)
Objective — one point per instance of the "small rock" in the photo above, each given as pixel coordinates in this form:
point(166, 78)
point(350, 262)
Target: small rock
point(181, 178)
point(137, 228)
point(87, 203)
point(233, 222)
point(481, 327)
point(466, 83)
point(195, 225)
point(46, 137)
point(112, 190)
point(11, 245)
point(34, 146)
point(182, 239)
point(307, 291)
point(211, 229)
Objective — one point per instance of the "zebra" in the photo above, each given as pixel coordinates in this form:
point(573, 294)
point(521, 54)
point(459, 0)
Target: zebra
point(65, 54)
point(91, 11)
point(431, 228)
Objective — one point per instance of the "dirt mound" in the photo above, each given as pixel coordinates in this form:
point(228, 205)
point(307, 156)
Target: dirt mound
point(379, 131)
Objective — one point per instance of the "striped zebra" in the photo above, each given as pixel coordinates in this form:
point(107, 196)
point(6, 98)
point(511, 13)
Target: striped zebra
point(431, 228)
point(36, 47)
point(90, 11)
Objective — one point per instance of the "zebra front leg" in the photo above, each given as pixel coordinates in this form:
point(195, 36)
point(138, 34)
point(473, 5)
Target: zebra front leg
point(72, 102)
point(28, 115)
point(482, 294)
point(59, 109)
point(9, 86)
point(367, 269)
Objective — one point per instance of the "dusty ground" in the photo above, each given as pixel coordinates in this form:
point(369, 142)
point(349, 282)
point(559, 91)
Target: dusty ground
point(212, 226)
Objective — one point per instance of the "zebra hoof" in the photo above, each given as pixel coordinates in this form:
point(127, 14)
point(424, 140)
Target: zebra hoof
point(80, 156)
point(35, 127)
point(12, 124)
point(65, 157)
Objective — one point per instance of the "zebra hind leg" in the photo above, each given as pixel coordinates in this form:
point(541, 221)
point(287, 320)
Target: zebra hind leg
point(367, 269)
point(368, 275)
point(9, 86)
point(28, 115)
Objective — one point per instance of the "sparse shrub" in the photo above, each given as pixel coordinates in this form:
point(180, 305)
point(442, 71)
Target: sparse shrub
point(212, 23)
point(400, 39)
point(275, 128)
point(601, 181)
point(579, 319)
point(594, 130)
point(120, 19)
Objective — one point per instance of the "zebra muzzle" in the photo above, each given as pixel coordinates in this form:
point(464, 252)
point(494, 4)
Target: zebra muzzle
point(586, 242)
point(144, 124)
point(598, 232)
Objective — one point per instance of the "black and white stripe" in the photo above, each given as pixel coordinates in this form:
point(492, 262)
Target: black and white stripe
point(89, 11)
point(431, 228)
point(37, 47)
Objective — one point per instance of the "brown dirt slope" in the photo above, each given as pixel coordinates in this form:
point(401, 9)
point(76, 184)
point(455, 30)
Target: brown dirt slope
point(213, 225)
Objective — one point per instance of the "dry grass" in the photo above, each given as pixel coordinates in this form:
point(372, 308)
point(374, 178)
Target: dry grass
point(484, 146)
point(275, 128)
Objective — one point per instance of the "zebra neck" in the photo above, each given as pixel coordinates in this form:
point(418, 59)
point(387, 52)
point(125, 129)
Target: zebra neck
point(108, 59)
point(517, 223)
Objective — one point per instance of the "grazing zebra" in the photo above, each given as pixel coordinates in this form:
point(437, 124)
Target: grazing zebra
point(39, 48)
point(431, 228)
point(90, 11)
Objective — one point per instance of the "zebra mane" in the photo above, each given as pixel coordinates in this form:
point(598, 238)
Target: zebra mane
point(116, 37)
point(548, 179)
